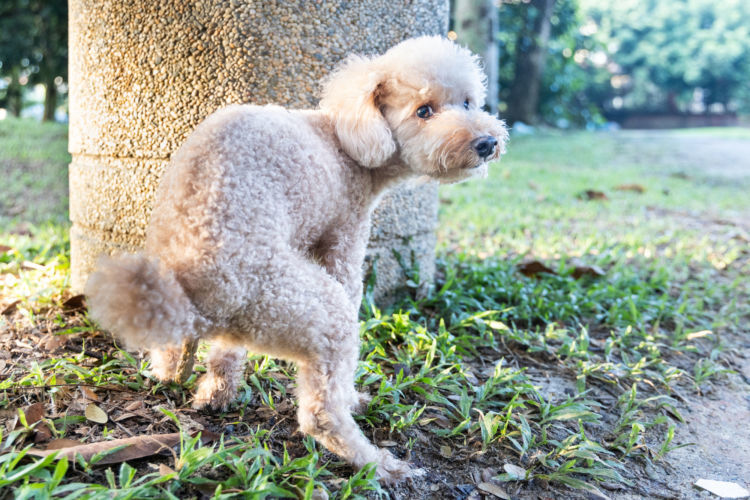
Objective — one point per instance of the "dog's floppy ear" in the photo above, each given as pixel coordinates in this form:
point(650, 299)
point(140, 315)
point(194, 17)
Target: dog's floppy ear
point(350, 96)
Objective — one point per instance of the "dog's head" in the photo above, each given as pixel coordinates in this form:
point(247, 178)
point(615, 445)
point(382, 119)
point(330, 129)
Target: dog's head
point(422, 101)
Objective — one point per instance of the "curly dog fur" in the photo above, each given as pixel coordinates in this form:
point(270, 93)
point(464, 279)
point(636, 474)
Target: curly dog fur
point(260, 225)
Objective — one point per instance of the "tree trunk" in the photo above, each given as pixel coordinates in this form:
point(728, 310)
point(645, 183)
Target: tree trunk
point(476, 26)
point(15, 94)
point(50, 100)
point(531, 51)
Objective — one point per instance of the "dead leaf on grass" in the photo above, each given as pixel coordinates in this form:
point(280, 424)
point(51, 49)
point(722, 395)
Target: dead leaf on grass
point(95, 414)
point(134, 405)
point(166, 470)
point(90, 394)
point(533, 267)
point(722, 489)
point(591, 194)
point(52, 342)
point(699, 334)
point(27, 265)
point(125, 416)
point(42, 433)
point(58, 444)
point(21, 229)
point(631, 187)
point(34, 413)
point(74, 304)
point(10, 308)
point(494, 490)
point(515, 471)
point(135, 447)
point(5, 248)
point(581, 271)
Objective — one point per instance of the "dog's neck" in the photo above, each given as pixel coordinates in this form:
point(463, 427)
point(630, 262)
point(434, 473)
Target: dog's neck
point(387, 176)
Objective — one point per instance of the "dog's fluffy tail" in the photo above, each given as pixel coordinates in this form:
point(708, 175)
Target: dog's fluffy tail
point(141, 303)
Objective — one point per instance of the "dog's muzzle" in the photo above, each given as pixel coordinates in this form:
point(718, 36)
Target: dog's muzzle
point(484, 146)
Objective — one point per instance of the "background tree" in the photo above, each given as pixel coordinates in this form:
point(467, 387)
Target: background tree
point(476, 23)
point(33, 49)
point(540, 77)
point(530, 57)
point(669, 55)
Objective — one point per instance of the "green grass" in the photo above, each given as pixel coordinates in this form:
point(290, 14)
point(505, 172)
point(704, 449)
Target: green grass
point(33, 166)
point(570, 382)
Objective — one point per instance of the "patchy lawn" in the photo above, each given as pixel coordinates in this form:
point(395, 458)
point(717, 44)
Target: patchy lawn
point(586, 336)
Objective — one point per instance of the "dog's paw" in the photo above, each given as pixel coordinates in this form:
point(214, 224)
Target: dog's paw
point(391, 470)
point(213, 393)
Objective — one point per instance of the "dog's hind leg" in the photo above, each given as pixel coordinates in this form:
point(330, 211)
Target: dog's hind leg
point(224, 368)
point(304, 314)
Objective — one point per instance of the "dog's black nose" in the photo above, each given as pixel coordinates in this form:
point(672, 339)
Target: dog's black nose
point(484, 146)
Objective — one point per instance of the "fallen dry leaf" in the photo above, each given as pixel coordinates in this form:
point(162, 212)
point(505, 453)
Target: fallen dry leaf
point(58, 444)
point(42, 433)
point(134, 405)
point(90, 394)
point(581, 271)
point(125, 416)
point(591, 194)
point(5, 248)
point(166, 470)
point(515, 471)
point(95, 414)
point(631, 187)
point(10, 307)
point(135, 447)
point(27, 265)
point(493, 489)
point(533, 267)
point(722, 489)
point(446, 451)
point(52, 342)
point(74, 304)
point(34, 413)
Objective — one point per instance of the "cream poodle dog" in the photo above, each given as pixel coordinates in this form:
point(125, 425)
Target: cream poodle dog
point(258, 233)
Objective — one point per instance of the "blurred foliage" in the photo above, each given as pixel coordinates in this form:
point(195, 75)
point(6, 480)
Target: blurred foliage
point(632, 56)
point(567, 87)
point(678, 52)
point(33, 49)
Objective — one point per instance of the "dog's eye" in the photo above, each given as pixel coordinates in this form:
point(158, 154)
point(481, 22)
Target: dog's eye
point(466, 104)
point(424, 112)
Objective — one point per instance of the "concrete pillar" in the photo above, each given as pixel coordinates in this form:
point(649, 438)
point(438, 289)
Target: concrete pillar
point(144, 73)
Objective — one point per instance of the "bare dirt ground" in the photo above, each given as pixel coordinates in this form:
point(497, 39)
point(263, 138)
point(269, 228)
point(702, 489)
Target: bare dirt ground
point(718, 423)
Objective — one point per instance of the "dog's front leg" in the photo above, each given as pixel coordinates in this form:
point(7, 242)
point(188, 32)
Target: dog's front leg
point(341, 252)
point(342, 257)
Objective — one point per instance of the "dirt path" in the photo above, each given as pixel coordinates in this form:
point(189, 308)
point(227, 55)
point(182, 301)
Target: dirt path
point(718, 424)
point(719, 421)
point(724, 158)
